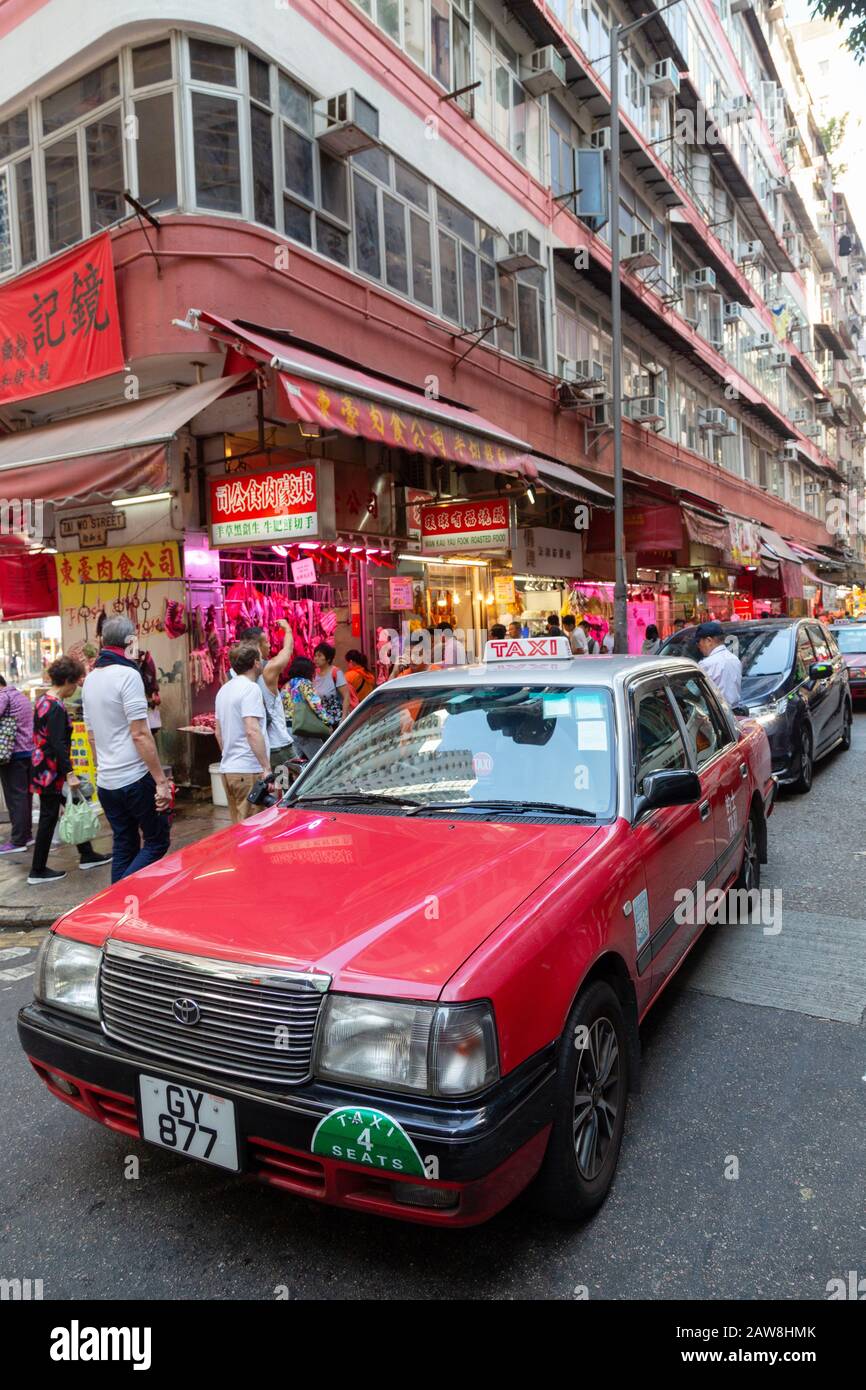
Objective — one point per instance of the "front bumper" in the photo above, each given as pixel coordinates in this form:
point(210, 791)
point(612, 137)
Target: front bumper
point(486, 1149)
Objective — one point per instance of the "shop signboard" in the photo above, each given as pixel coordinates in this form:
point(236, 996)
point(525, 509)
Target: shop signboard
point(91, 530)
point(461, 526)
point(544, 551)
point(100, 577)
point(304, 571)
point(745, 542)
point(81, 752)
point(414, 496)
point(401, 593)
point(59, 324)
point(279, 505)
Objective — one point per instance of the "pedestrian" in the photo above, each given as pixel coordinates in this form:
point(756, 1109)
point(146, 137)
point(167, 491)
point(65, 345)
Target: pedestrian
point(554, 626)
point(719, 663)
point(330, 684)
point(133, 790)
point(358, 674)
point(679, 624)
point(241, 729)
point(147, 668)
point(309, 726)
point(16, 747)
point(607, 642)
point(51, 769)
point(453, 650)
point(592, 646)
point(498, 632)
point(280, 745)
point(651, 642)
point(576, 635)
point(514, 630)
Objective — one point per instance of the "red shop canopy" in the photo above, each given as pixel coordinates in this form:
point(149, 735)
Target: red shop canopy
point(323, 392)
point(121, 450)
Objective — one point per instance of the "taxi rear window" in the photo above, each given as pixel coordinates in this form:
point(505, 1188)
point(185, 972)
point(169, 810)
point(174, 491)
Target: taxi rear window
point(534, 743)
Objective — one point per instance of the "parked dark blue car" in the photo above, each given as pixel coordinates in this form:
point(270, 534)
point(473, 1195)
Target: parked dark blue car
point(795, 683)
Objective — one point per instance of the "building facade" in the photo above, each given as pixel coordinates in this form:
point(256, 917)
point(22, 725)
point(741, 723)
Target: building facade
point(403, 206)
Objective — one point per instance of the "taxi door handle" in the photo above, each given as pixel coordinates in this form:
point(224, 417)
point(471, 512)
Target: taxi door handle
point(704, 809)
point(744, 771)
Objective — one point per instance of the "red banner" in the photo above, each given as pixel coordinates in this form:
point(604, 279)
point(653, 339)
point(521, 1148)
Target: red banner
point(278, 505)
point(646, 528)
point(28, 587)
point(59, 324)
point(399, 428)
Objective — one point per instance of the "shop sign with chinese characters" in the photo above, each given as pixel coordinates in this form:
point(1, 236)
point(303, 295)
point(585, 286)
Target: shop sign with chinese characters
point(466, 526)
point(101, 575)
point(542, 550)
point(280, 505)
point(398, 428)
point(59, 324)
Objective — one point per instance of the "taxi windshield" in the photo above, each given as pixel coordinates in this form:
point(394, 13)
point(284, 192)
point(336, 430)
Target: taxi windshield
point(851, 639)
point(540, 745)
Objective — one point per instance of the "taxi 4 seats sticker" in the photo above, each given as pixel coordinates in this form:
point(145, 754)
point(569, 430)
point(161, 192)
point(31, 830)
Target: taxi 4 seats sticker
point(368, 1137)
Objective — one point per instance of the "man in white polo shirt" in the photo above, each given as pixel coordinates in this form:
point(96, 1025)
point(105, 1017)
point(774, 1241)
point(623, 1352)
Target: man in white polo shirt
point(241, 725)
point(133, 790)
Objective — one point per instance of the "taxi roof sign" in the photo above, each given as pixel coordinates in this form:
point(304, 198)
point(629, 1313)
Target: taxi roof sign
point(528, 649)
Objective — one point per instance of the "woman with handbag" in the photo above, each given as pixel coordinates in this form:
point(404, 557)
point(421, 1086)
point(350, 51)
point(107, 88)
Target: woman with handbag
point(305, 708)
point(51, 769)
point(16, 747)
point(330, 685)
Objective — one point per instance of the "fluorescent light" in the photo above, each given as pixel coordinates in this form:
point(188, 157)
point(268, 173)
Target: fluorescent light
point(440, 560)
point(530, 496)
point(308, 545)
point(279, 550)
point(138, 501)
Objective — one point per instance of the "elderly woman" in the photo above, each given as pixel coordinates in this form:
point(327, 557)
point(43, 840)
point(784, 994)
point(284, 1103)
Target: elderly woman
point(51, 768)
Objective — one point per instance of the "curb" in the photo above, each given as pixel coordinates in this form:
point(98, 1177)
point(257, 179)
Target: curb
point(27, 918)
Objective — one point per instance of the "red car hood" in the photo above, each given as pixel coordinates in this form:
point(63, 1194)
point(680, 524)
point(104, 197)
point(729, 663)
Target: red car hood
point(384, 904)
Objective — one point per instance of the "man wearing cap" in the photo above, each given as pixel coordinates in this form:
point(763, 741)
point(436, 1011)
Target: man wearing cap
point(719, 662)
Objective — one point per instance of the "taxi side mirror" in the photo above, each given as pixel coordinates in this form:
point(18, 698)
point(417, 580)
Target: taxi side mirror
point(679, 787)
point(820, 670)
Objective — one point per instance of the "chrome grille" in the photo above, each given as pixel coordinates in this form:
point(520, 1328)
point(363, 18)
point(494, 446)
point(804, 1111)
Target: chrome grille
point(255, 1023)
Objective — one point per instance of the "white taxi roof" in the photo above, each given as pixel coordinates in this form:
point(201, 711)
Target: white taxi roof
point(601, 671)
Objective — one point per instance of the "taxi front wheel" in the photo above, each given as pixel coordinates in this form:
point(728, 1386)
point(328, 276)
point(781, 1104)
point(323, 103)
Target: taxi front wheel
point(590, 1103)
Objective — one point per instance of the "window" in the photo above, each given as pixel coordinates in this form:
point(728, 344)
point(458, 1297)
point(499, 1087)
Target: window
point(152, 63)
point(658, 742)
point(155, 146)
point(5, 223)
point(805, 655)
point(81, 97)
point(26, 212)
point(212, 62)
point(261, 140)
point(217, 152)
point(706, 731)
point(502, 105)
point(62, 193)
point(819, 642)
point(103, 144)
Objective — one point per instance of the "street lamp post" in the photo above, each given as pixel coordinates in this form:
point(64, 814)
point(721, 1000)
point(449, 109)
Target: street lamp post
point(620, 588)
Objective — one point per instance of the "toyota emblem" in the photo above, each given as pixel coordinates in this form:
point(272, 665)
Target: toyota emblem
point(186, 1011)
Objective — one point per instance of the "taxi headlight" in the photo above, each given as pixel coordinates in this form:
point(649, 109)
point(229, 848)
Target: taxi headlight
point(445, 1050)
point(66, 975)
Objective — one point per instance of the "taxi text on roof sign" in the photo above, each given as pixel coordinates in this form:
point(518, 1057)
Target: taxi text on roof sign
point(527, 649)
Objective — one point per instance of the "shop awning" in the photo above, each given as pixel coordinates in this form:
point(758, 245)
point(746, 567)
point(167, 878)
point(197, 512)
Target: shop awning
point(569, 483)
point(806, 552)
point(707, 530)
point(332, 396)
point(105, 453)
point(779, 549)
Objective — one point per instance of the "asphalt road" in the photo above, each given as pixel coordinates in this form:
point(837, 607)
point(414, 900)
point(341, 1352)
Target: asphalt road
point(757, 1053)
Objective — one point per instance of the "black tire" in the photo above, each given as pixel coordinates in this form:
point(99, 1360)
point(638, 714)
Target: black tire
point(585, 1139)
point(847, 720)
point(807, 765)
point(750, 869)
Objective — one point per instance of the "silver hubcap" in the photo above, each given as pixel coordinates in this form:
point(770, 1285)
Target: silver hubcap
point(750, 857)
point(595, 1098)
point(806, 756)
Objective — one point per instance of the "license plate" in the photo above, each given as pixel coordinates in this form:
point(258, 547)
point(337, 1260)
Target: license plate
point(189, 1122)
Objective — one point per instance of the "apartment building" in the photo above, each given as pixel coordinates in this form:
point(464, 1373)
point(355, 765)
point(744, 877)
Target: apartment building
point(313, 207)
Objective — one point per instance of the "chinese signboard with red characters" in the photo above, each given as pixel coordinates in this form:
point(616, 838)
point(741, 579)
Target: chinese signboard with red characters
point(399, 428)
point(279, 505)
point(465, 526)
point(59, 324)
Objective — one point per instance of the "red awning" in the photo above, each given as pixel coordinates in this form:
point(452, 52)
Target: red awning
point(323, 392)
point(121, 450)
point(707, 530)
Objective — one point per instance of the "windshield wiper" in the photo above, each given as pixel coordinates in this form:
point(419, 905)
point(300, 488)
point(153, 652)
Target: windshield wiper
point(518, 807)
point(360, 797)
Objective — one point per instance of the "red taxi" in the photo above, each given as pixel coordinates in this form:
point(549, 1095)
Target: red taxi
point(414, 987)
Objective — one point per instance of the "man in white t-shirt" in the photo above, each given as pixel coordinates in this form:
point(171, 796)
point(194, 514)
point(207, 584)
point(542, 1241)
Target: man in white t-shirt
point(576, 635)
point(240, 729)
point(133, 790)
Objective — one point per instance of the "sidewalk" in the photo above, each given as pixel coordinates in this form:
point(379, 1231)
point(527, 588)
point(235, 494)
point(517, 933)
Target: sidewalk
point(23, 907)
